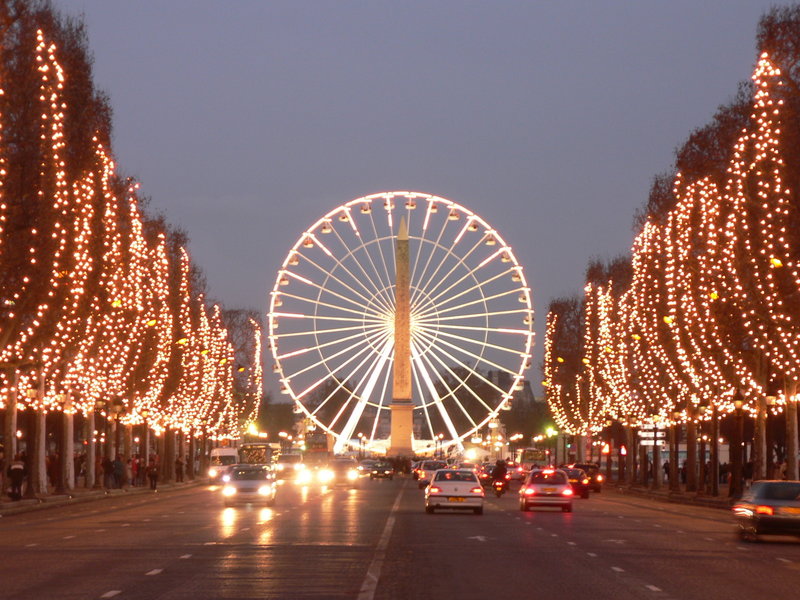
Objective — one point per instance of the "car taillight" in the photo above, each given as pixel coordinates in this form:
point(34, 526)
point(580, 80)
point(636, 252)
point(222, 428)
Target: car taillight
point(434, 490)
point(530, 491)
point(476, 490)
point(519, 469)
point(764, 510)
point(585, 481)
point(567, 492)
point(508, 476)
point(599, 477)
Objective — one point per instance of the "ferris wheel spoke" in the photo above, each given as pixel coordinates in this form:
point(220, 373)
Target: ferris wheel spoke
point(342, 383)
point(378, 290)
point(378, 238)
point(377, 418)
point(365, 343)
point(421, 395)
point(494, 313)
point(459, 262)
point(329, 274)
point(465, 352)
point(363, 306)
point(433, 333)
point(437, 244)
point(318, 347)
point(485, 300)
point(448, 422)
point(478, 285)
point(434, 352)
point(355, 415)
point(319, 332)
point(337, 307)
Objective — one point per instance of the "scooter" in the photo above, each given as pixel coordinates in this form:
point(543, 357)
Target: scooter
point(499, 486)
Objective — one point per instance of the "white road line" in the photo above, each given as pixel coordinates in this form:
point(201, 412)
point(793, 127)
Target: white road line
point(246, 529)
point(571, 543)
point(653, 588)
point(68, 537)
point(210, 544)
point(592, 554)
point(617, 569)
point(553, 535)
point(681, 531)
point(741, 548)
point(784, 560)
point(709, 539)
point(99, 530)
point(154, 572)
point(185, 556)
point(656, 525)
point(31, 545)
point(111, 593)
point(125, 525)
point(374, 571)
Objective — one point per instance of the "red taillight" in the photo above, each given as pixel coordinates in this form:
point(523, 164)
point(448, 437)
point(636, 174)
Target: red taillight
point(434, 490)
point(508, 476)
point(599, 477)
point(530, 491)
point(764, 510)
point(476, 490)
point(519, 469)
point(567, 492)
point(548, 471)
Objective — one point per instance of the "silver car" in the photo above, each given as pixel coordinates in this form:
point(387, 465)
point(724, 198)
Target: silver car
point(769, 507)
point(250, 483)
point(546, 487)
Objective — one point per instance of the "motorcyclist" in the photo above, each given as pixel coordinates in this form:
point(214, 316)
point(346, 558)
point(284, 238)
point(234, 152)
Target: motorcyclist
point(499, 472)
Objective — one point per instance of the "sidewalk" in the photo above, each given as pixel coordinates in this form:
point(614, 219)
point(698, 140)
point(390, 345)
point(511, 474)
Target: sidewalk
point(680, 497)
point(80, 495)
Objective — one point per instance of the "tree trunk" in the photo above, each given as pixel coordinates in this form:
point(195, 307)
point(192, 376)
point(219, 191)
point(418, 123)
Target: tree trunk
point(656, 463)
point(714, 474)
point(39, 473)
point(691, 453)
point(10, 427)
point(630, 436)
point(190, 458)
point(791, 430)
point(68, 464)
point(674, 483)
point(91, 450)
point(759, 440)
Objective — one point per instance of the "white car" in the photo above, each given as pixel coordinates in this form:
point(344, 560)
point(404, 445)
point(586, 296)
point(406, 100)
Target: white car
point(454, 489)
point(427, 468)
point(250, 483)
point(546, 487)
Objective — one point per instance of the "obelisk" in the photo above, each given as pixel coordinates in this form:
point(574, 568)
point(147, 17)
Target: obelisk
point(402, 407)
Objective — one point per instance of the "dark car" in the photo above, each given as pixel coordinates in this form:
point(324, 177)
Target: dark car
point(579, 481)
point(339, 471)
point(596, 478)
point(769, 507)
point(382, 470)
point(485, 475)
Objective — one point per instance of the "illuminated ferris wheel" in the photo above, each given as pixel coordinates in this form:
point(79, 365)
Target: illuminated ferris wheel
point(332, 320)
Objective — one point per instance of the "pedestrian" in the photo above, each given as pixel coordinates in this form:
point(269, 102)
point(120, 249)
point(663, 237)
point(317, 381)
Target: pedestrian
point(108, 472)
point(666, 470)
point(129, 473)
point(16, 475)
point(179, 469)
point(152, 474)
point(119, 471)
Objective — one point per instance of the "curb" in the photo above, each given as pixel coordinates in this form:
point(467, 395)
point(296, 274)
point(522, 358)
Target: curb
point(719, 502)
point(44, 502)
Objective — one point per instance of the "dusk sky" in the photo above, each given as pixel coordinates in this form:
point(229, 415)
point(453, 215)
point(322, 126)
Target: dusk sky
point(247, 121)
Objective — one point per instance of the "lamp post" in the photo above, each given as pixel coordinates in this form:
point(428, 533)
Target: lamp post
point(735, 487)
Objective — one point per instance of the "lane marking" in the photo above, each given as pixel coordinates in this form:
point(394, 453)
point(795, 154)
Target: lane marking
point(374, 571)
point(741, 548)
point(68, 537)
point(709, 539)
point(154, 572)
point(592, 554)
point(617, 569)
point(125, 525)
point(571, 543)
point(784, 560)
point(680, 531)
point(111, 593)
point(656, 525)
point(185, 556)
point(653, 588)
point(31, 545)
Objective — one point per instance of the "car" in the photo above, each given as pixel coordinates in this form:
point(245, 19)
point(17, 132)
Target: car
point(339, 471)
point(221, 460)
point(457, 489)
point(579, 481)
point(546, 487)
point(288, 465)
point(596, 478)
point(469, 465)
point(514, 471)
point(250, 483)
point(485, 474)
point(382, 470)
point(769, 507)
point(365, 466)
point(427, 468)
point(414, 469)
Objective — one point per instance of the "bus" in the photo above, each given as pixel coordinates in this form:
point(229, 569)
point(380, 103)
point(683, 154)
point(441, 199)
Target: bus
point(528, 457)
point(255, 453)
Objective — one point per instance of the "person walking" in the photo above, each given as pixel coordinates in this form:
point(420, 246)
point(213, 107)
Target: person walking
point(152, 474)
point(16, 475)
point(179, 469)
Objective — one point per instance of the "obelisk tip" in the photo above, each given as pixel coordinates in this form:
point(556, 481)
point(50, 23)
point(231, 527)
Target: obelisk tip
point(402, 234)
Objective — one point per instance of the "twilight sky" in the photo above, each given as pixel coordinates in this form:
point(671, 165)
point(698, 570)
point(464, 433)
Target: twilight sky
point(246, 121)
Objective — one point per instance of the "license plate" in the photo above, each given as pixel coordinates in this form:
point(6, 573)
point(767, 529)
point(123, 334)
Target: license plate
point(549, 490)
point(790, 510)
point(456, 499)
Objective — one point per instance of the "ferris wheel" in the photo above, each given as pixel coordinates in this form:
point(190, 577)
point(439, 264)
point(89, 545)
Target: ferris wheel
point(332, 319)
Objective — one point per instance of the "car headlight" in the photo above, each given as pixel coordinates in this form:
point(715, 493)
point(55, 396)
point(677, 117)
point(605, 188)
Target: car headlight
point(280, 467)
point(228, 490)
point(226, 478)
point(265, 490)
point(212, 472)
point(304, 477)
point(352, 474)
point(299, 466)
point(325, 475)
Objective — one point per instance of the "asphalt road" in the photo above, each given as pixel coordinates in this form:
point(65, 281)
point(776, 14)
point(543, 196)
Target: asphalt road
point(377, 543)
